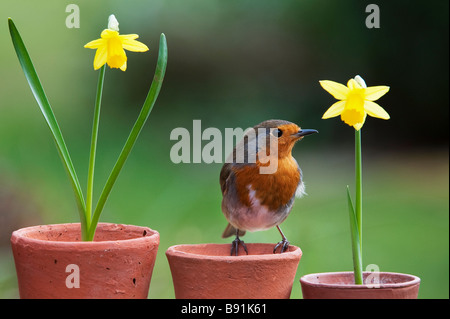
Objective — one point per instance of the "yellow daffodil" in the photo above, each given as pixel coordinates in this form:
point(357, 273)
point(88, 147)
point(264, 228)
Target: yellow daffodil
point(110, 47)
point(356, 101)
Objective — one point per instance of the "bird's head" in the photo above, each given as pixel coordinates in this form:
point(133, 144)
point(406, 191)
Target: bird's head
point(286, 134)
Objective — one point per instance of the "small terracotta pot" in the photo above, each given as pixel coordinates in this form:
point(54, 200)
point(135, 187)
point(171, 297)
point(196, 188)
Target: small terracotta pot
point(51, 261)
point(208, 271)
point(379, 285)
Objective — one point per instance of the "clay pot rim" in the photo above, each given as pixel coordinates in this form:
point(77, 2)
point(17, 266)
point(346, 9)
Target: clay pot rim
point(20, 235)
point(175, 251)
point(413, 280)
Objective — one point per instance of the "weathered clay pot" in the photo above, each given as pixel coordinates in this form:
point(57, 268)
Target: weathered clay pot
point(51, 261)
point(208, 271)
point(340, 285)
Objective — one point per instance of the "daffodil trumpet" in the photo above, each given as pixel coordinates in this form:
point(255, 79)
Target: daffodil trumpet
point(110, 50)
point(356, 101)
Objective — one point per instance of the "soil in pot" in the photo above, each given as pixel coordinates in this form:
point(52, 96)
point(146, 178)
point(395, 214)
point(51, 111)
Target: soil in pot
point(208, 271)
point(52, 261)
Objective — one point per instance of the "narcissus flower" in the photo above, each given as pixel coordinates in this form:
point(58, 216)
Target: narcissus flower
point(110, 47)
point(356, 101)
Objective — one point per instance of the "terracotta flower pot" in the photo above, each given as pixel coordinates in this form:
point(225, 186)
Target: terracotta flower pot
point(52, 261)
point(208, 271)
point(340, 285)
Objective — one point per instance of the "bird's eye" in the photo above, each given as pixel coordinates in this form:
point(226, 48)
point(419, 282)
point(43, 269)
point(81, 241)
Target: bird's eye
point(277, 132)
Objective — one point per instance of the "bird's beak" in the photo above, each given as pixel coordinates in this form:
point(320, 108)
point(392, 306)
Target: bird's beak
point(304, 132)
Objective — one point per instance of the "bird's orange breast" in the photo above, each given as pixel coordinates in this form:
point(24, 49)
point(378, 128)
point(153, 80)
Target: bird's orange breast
point(272, 190)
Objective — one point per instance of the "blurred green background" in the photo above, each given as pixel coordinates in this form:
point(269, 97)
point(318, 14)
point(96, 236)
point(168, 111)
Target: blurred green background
point(235, 64)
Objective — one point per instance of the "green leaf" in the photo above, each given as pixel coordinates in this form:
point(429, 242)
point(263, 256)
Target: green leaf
point(139, 124)
point(356, 245)
point(44, 105)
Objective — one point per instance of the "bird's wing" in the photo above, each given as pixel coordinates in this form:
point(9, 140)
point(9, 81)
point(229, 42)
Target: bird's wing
point(224, 174)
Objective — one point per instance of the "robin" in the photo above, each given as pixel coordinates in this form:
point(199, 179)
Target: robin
point(255, 200)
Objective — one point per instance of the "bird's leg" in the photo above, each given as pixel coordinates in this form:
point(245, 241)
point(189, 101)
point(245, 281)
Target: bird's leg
point(235, 244)
point(284, 244)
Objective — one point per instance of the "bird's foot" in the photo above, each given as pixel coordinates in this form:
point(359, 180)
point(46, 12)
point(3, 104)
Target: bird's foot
point(235, 246)
point(284, 244)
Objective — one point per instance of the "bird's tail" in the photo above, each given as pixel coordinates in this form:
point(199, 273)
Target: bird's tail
point(231, 231)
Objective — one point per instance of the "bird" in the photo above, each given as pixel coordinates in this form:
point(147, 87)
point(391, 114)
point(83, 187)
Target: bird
point(254, 199)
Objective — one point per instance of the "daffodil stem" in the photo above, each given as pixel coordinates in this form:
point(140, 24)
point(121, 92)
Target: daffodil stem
point(358, 183)
point(356, 251)
point(95, 124)
point(357, 242)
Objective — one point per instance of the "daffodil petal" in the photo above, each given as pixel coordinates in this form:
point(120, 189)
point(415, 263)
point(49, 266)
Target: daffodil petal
point(107, 33)
point(338, 90)
point(100, 57)
point(124, 66)
point(374, 110)
point(373, 93)
point(358, 126)
point(129, 36)
point(95, 44)
point(133, 45)
point(352, 84)
point(334, 110)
